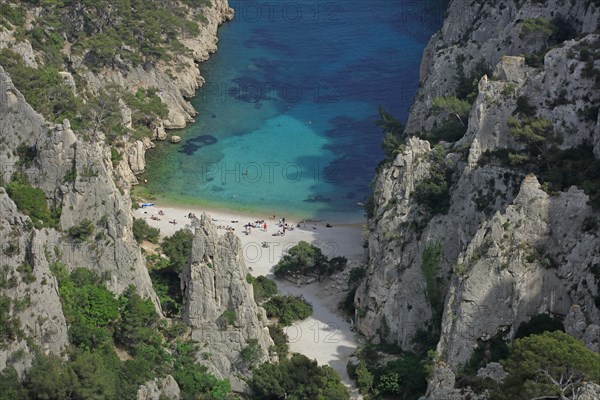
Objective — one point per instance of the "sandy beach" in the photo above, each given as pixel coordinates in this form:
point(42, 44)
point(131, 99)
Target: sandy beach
point(325, 336)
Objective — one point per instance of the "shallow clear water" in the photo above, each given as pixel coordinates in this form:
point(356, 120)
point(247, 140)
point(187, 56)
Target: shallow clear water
point(285, 123)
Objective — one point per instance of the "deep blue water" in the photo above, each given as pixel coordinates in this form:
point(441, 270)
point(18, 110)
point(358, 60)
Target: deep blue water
point(285, 121)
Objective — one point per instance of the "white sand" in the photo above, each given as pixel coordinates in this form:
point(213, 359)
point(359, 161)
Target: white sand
point(325, 336)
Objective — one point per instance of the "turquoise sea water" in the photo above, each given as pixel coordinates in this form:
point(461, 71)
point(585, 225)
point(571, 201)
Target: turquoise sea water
point(285, 123)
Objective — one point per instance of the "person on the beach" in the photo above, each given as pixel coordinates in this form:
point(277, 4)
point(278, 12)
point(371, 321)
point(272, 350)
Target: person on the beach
point(265, 226)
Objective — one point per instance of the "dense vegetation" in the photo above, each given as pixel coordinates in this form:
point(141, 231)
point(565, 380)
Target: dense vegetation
point(552, 364)
point(103, 34)
point(497, 349)
point(263, 287)
point(100, 324)
point(165, 272)
point(288, 309)
point(297, 378)
point(307, 259)
point(43, 88)
point(401, 377)
point(142, 231)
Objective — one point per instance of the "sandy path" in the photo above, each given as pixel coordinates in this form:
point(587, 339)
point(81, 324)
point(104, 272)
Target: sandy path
point(325, 336)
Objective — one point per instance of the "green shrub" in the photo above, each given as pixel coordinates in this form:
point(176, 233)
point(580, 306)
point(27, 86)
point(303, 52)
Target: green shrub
point(142, 231)
point(50, 376)
point(393, 131)
point(32, 202)
point(251, 353)
point(454, 107)
point(178, 248)
point(450, 131)
point(264, 288)
point(402, 378)
point(356, 275)
point(433, 193)
point(10, 326)
point(280, 338)
point(430, 261)
point(192, 378)
point(524, 108)
point(82, 231)
point(166, 284)
point(26, 271)
point(468, 85)
point(26, 155)
point(370, 206)
point(307, 259)
point(297, 378)
point(492, 350)
point(288, 309)
point(229, 316)
point(537, 27)
point(537, 365)
point(43, 88)
point(138, 322)
point(10, 386)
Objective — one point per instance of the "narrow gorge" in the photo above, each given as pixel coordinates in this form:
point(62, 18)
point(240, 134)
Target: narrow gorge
point(481, 270)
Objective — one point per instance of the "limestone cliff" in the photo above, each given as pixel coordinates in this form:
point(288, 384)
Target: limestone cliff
point(174, 78)
point(87, 189)
point(219, 306)
point(90, 193)
point(503, 249)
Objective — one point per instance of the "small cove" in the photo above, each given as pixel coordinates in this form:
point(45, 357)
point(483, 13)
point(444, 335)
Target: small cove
point(285, 120)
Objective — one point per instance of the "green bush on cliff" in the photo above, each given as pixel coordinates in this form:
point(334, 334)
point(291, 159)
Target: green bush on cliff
point(433, 192)
point(138, 31)
point(32, 202)
point(10, 326)
point(264, 288)
point(539, 28)
point(166, 284)
point(43, 88)
point(82, 231)
point(393, 131)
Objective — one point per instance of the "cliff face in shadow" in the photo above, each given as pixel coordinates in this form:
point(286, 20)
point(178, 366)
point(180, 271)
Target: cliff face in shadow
point(474, 234)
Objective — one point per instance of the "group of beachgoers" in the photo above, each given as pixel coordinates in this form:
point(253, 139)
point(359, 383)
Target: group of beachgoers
point(282, 225)
point(161, 214)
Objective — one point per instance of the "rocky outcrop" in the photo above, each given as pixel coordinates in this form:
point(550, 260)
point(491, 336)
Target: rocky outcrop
point(219, 306)
point(173, 85)
point(159, 389)
point(77, 176)
point(576, 325)
point(505, 250)
point(523, 262)
point(30, 287)
point(478, 34)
